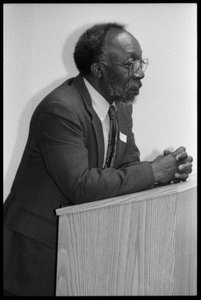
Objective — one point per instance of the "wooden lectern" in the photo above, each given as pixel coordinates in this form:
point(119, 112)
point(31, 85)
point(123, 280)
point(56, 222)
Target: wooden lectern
point(138, 244)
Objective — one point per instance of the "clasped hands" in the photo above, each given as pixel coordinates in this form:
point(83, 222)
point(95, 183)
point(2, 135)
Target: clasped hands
point(172, 167)
point(184, 162)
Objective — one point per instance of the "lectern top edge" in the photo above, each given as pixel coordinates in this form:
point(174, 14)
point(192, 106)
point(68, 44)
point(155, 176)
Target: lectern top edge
point(139, 196)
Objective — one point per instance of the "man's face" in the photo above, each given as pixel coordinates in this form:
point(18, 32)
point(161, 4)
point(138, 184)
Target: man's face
point(122, 48)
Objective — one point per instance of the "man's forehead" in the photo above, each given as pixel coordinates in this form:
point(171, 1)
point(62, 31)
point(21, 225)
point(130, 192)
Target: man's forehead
point(121, 40)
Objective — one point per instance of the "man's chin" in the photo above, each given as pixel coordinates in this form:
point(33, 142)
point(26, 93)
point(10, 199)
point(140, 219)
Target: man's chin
point(129, 100)
point(118, 95)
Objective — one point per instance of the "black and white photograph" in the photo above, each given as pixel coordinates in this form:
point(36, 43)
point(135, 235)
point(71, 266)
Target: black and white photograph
point(100, 149)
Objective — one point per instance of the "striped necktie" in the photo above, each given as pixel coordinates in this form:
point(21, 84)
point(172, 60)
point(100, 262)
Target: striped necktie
point(112, 140)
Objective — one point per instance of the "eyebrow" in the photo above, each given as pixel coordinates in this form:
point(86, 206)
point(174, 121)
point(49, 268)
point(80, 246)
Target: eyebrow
point(130, 56)
point(130, 59)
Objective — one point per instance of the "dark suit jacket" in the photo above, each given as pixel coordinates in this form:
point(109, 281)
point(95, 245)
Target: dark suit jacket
point(62, 164)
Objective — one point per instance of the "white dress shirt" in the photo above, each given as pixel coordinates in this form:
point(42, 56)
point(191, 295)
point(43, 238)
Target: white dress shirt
point(101, 107)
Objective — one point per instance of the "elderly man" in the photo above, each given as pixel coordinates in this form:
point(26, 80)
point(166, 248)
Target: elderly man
point(80, 148)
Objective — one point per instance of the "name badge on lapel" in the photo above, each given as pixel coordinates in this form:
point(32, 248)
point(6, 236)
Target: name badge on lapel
point(123, 137)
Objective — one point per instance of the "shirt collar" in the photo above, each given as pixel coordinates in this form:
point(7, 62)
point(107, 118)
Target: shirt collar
point(99, 103)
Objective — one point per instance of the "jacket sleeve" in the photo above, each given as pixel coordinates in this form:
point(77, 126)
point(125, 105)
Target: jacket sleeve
point(65, 155)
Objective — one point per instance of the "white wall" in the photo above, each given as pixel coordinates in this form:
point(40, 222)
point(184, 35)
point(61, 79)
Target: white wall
point(39, 40)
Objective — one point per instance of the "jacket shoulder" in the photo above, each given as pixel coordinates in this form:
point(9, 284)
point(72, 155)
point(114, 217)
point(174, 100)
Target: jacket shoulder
point(66, 94)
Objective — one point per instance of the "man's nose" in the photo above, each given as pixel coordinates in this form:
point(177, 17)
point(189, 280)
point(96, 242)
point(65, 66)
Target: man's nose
point(139, 74)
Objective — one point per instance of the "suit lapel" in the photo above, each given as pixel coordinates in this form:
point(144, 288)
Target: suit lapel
point(96, 123)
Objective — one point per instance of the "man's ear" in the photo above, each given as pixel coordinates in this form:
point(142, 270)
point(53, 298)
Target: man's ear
point(96, 70)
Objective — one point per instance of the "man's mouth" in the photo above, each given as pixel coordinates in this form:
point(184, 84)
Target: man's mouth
point(135, 87)
point(134, 91)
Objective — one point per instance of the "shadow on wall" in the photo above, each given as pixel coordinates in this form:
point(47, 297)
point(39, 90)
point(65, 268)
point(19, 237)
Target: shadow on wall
point(25, 117)
point(22, 134)
point(68, 49)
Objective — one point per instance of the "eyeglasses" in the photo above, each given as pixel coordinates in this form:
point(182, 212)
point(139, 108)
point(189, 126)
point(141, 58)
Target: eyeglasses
point(134, 66)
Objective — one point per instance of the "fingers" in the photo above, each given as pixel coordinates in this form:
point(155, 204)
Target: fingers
point(166, 152)
point(186, 167)
point(184, 156)
point(180, 153)
point(182, 162)
point(180, 150)
point(181, 176)
point(189, 159)
point(181, 156)
point(176, 181)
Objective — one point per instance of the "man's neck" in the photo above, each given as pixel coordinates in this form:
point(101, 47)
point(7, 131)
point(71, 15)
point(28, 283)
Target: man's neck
point(97, 85)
